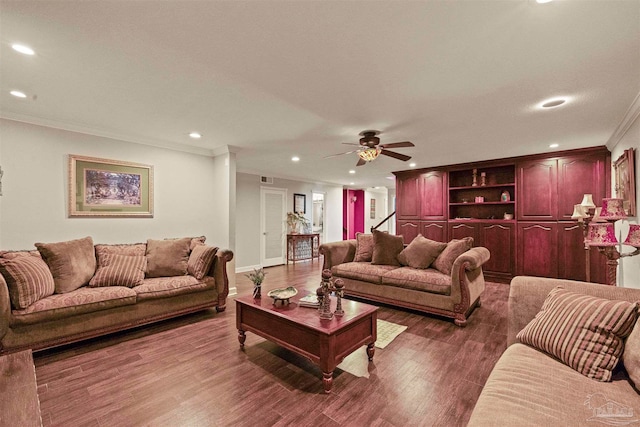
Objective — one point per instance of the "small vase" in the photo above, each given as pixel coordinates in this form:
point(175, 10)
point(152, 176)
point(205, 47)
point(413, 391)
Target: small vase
point(257, 291)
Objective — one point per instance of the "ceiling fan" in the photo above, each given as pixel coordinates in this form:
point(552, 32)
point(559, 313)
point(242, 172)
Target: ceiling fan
point(370, 148)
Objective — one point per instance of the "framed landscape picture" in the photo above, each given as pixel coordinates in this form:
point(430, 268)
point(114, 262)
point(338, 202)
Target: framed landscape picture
point(625, 180)
point(109, 188)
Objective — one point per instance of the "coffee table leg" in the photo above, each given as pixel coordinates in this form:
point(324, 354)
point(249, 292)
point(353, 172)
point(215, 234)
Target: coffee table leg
point(327, 381)
point(371, 349)
point(241, 337)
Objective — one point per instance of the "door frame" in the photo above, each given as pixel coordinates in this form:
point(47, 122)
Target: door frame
point(267, 262)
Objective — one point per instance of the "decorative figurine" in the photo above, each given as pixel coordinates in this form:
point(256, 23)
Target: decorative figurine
point(339, 287)
point(505, 196)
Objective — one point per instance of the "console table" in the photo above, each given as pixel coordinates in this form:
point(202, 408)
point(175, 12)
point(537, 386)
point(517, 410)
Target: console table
point(303, 246)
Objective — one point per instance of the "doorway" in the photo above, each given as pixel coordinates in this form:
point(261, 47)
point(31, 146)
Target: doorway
point(318, 216)
point(272, 226)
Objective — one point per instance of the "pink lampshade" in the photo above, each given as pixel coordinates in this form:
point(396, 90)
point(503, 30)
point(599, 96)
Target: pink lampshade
point(633, 238)
point(602, 234)
point(612, 209)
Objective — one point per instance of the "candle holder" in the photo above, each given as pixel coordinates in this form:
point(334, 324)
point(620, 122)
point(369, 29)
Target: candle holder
point(327, 286)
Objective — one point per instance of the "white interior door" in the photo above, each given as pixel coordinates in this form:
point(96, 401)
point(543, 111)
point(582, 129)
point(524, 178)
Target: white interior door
point(272, 227)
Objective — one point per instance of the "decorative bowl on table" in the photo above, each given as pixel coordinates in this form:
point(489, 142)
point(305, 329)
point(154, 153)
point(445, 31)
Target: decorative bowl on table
point(282, 294)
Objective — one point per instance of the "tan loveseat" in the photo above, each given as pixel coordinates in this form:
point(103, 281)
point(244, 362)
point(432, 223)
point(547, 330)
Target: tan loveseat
point(527, 387)
point(428, 290)
point(101, 289)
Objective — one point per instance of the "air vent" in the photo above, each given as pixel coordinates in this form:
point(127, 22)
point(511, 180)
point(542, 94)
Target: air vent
point(266, 179)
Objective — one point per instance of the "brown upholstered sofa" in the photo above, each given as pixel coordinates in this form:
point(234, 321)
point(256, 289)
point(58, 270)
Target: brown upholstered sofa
point(428, 290)
point(69, 291)
point(527, 387)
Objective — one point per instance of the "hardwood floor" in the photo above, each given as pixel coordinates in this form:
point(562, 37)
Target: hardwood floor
point(191, 372)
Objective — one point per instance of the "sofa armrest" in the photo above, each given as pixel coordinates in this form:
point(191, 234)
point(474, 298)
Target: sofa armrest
point(527, 294)
point(467, 280)
point(5, 309)
point(219, 272)
point(338, 252)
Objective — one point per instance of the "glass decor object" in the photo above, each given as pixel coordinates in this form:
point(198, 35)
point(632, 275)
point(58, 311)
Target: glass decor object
point(612, 209)
point(602, 234)
point(369, 154)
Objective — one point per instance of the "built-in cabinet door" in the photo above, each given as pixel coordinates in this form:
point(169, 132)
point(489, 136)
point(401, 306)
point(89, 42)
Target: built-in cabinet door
point(433, 204)
point(500, 240)
point(408, 197)
point(537, 253)
point(573, 257)
point(408, 229)
point(462, 230)
point(576, 176)
point(537, 190)
point(436, 230)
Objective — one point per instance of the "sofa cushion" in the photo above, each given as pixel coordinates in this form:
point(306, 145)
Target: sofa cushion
point(121, 270)
point(72, 263)
point(79, 301)
point(361, 271)
point(195, 241)
point(429, 280)
point(386, 248)
point(529, 388)
point(28, 278)
point(455, 248)
point(200, 260)
point(631, 355)
point(104, 251)
point(162, 287)
point(167, 258)
point(585, 332)
point(364, 247)
point(421, 252)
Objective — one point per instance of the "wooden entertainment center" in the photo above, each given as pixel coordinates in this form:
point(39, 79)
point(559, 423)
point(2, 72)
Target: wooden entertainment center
point(537, 236)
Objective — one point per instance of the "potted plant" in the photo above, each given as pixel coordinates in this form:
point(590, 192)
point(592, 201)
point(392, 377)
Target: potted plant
point(296, 221)
point(257, 277)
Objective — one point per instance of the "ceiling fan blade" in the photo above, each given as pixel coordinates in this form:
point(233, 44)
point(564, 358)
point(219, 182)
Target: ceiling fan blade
point(395, 155)
point(361, 162)
point(398, 144)
point(340, 154)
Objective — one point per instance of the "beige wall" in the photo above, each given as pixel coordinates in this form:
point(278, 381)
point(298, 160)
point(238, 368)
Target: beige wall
point(248, 213)
point(629, 267)
point(34, 206)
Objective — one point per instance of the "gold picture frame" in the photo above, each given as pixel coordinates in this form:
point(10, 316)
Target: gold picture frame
point(625, 180)
point(109, 188)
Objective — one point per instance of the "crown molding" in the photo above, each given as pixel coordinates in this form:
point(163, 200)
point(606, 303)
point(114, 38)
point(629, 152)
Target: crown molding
point(627, 121)
point(72, 127)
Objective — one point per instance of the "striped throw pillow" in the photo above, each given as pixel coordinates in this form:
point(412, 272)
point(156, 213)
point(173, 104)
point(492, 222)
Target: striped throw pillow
point(28, 278)
point(200, 260)
point(122, 270)
point(585, 332)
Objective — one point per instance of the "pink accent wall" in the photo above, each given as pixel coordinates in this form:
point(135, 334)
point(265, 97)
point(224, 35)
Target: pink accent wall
point(352, 213)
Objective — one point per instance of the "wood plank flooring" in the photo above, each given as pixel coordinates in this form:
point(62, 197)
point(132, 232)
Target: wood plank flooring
point(190, 371)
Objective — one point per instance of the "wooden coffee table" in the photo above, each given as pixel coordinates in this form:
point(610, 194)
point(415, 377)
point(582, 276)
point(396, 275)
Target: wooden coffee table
point(299, 329)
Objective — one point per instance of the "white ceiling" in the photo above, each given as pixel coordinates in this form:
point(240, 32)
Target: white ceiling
point(275, 79)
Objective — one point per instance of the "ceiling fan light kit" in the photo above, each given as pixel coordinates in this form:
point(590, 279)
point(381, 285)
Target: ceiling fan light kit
point(370, 150)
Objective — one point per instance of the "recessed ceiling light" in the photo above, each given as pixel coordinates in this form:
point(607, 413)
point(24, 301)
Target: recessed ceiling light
point(22, 49)
point(18, 94)
point(543, 1)
point(295, 159)
point(391, 177)
point(553, 102)
point(352, 171)
point(352, 183)
point(412, 165)
point(554, 145)
point(195, 135)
